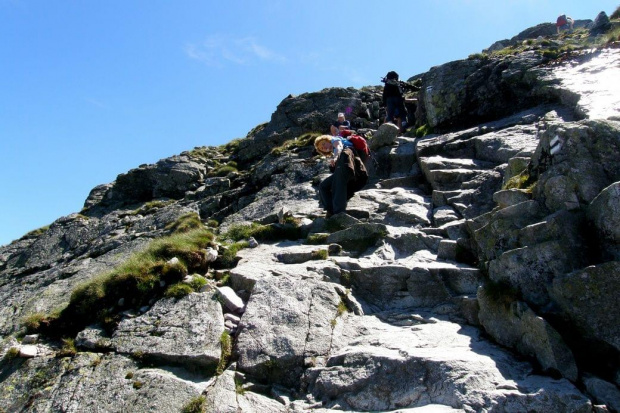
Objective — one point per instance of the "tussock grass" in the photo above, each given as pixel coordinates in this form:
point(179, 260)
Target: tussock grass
point(223, 170)
point(226, 346)
point(185, 223)
point(196, 405)
point(136, 281)
point(521, 181)
point(316, 239)
point(264, 233)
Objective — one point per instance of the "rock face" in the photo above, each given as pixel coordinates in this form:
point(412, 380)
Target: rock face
point(476, 272)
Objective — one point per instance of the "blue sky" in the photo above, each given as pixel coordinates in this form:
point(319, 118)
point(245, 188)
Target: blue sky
point(92, 89)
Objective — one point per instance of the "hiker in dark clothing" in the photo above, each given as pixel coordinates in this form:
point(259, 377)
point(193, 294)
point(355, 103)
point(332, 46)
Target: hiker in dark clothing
point(394, 101)
point(340, 124)
point(336, 190)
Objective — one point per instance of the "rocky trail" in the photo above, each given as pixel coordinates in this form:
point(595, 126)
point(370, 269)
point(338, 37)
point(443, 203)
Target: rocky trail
point(476, 272)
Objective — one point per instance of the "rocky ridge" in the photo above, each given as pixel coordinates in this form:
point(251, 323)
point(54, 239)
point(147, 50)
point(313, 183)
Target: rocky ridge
point(477, 271)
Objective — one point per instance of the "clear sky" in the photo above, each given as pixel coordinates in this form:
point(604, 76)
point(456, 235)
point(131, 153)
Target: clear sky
point(91, 89)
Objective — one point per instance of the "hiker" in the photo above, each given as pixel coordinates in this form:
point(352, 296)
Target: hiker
point(564, 22)
point(339, 125)
point(348, 173)
point(394, 101)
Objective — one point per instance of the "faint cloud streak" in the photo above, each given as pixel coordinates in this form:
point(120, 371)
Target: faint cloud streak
point(216, 50)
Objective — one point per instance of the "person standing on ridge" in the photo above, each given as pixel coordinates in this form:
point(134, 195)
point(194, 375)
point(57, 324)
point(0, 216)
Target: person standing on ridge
point(393, 100)
point(564, 22)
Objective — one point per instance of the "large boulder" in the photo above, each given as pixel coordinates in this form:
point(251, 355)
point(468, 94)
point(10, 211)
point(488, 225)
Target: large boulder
point(600, 25)
point(287, 324)
point(588, 298)
point(475, 90)
point(515, 325)
point(583, 161)
point(297, 115)
point(604, 213)
point(185, 331)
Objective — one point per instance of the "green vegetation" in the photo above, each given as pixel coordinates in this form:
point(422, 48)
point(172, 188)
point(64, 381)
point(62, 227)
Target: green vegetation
point(181, 289)
point(11, 353)
point(423, 131)
point(201, 153)
point(226, 345)
point(239, 386)
point(185, 223)
point(212, 223)
point(479, 56)
point(129, 375)
point(304, 140)
point(316, 239)
point(320, 254)
point(138, 384)
point(178, 290)
point(264, 233)
point(342, 308)
point(152, 206)
point(36, 233)
point(137, 281)
point(68, 348)
point(33, 322)
point(196, 405)
point(223, 170)
point(229, 258)
point(345, 278)
point(522, 181)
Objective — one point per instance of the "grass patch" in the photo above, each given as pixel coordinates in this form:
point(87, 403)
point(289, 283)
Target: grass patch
point(68, 348)
point(263, 233)
point(181, 289)
point(11, 353)
point(320, 254)
point(423, 131)
point(226, 346)
point(305, 140)
point(316, 239)
point(33, 322)
point(196, 405)
point(36, 233)
point(185, 223)
point(239, 386)
point(178, 290)
point(229, 258)
point(223, 170)
point(136, 281)
point(521, 181)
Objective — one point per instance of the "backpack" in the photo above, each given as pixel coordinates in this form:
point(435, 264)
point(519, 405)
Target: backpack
point(361, 176)
point(359, 143)
point(561, 21)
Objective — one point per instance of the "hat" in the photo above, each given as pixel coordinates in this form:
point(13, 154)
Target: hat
point(340, 114)
point(318, 141)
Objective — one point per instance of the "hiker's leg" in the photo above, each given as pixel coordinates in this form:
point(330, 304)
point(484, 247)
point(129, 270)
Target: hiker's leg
point(325, 194)
point(341, 177)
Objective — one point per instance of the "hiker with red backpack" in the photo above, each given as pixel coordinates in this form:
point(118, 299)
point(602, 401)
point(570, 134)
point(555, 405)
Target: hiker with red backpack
point(564, 22)
point(348, 176)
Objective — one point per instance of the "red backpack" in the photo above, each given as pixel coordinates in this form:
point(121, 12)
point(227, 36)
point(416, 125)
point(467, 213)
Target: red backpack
point(359, 143)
